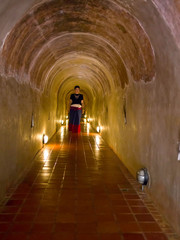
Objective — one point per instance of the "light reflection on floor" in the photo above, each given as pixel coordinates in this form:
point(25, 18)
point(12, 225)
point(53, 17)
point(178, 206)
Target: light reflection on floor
point(46, 155)
point(78, 185)
point(62, 133)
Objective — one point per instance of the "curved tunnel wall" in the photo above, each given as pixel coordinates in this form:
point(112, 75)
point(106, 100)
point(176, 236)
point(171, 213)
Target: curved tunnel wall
point(125, 58)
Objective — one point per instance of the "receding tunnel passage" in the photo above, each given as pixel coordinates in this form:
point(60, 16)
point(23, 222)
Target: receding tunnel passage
point(78, 189)
point(125, 57)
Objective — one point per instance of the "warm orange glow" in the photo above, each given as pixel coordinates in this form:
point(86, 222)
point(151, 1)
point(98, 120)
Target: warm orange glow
point(54, 146)
point(88, 127)
point(45, 168)
point(89, 134)
point(67, 121)
point(45, 155)
point(97, 140)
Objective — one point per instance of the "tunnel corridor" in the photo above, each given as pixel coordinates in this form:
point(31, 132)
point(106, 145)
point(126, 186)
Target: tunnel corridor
point(124, 54)
point(77, 189)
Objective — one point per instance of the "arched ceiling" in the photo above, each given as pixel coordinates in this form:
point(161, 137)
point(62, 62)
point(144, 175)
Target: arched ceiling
point(98, 43)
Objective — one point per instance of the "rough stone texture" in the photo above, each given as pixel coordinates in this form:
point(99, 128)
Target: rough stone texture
point(10, 14)
point(124, 55)
point(36, 46)
point(169, 10)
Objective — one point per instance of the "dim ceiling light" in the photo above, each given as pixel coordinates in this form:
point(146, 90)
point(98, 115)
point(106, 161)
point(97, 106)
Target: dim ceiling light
point(45, 139)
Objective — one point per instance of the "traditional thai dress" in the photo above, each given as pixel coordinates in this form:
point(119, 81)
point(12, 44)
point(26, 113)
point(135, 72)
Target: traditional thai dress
point(75, 113)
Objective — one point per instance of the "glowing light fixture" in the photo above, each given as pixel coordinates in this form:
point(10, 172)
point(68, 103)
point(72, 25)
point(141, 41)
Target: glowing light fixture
point(88, 120)
point(98, 129)
point(45, 139)
point(62, 122)
point(67, 117)
point(142, 177)
point(85, 116)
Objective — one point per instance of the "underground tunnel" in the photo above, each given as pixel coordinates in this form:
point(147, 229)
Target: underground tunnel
point(124, 55)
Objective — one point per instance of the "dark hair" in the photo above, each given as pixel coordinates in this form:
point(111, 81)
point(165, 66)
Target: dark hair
point(77, 87)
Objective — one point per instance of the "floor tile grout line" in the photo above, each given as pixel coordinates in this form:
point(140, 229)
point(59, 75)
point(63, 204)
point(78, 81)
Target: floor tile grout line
point(92, 194)
point(142, 232)
point(18, 212)
point(57, 159)
point(12, 190)
point(152, 213)
point(37, 212)
point(135, 188)
point(33, 222)
point(88, 184)
point(84, 152)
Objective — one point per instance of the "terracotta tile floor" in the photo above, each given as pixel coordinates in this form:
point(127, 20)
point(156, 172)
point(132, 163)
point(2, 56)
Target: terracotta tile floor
point(77, 189)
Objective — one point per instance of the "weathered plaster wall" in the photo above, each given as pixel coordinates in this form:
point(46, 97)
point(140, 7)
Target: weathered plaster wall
point(153, 128)
point(19, 142)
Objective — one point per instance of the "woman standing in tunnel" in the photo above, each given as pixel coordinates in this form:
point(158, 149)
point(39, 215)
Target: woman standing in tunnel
point(76, 108)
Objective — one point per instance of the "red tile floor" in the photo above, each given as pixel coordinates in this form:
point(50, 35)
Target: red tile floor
point(77, 189)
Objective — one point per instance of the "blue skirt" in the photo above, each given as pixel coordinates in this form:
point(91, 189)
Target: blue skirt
point(74, 119)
